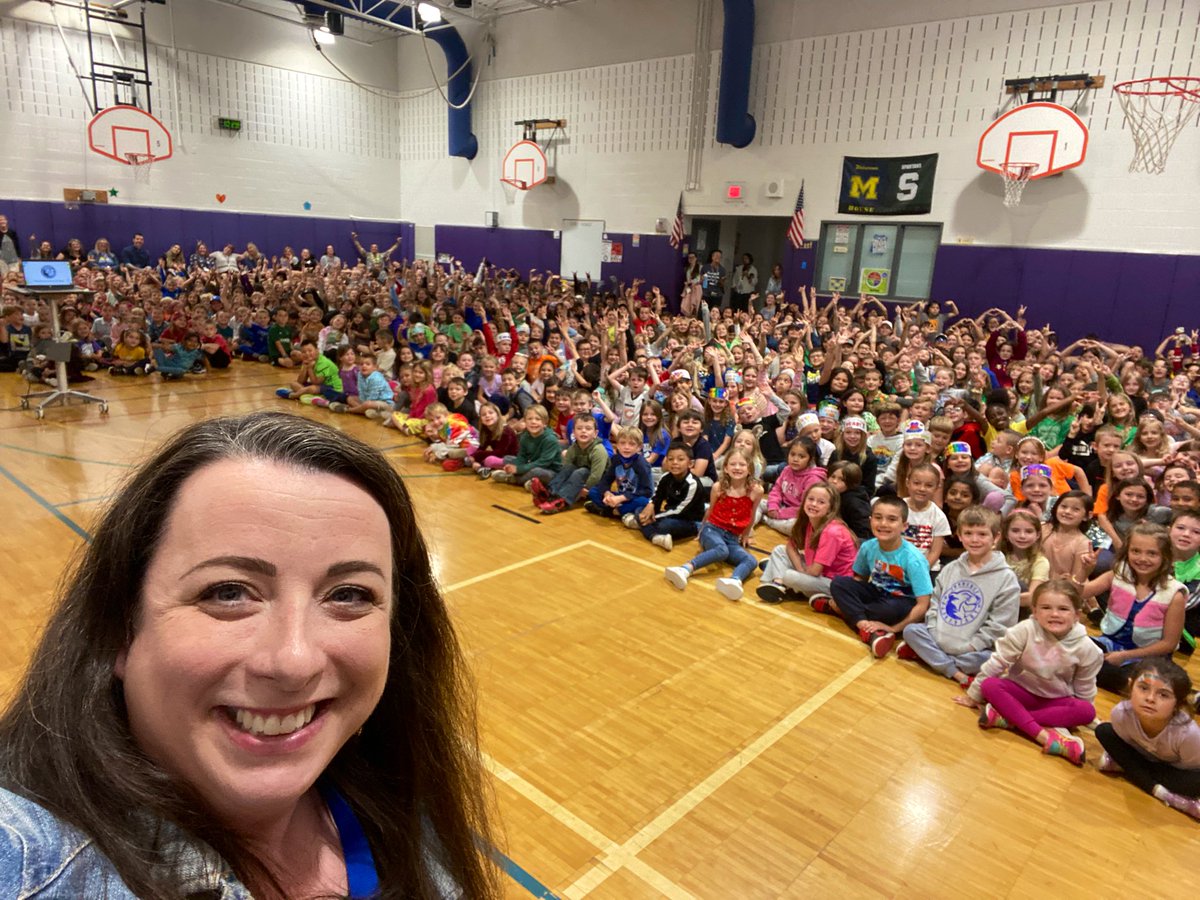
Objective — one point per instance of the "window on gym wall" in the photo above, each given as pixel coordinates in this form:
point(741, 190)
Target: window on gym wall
point(892, 261)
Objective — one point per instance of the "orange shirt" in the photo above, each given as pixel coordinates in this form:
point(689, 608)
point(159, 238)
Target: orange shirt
point(1060, 471)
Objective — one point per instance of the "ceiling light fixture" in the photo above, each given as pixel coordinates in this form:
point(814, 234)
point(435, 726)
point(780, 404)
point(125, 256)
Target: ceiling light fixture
point(323, 35)
point(428, 13)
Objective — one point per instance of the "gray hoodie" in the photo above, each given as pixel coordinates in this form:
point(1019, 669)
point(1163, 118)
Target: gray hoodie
point(969, 611)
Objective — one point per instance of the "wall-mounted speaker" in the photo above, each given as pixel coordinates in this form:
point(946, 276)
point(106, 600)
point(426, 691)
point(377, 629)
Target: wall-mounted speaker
point(491, 219)
point(774, 188)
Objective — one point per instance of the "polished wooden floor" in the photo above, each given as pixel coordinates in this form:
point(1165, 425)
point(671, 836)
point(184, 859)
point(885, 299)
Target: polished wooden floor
point(646, 742)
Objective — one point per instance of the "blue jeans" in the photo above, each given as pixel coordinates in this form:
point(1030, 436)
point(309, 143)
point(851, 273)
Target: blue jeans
point(596, 495)
point(920, 640)
point(675, 526)
point(568, 482)
point(719, 545)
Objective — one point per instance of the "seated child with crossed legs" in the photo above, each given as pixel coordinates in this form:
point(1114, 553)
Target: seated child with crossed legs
point(627, 483)
point(584, 464)
point(1152, 739)
point(538, 453)
point(976, 599)
point(678, 505)
point(890, 587)
point(1041, 678)
point(451, 438)
point(829, 549)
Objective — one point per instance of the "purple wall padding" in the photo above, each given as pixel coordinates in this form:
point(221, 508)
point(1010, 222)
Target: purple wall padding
point(164, 227)
point(1132, 298)
point(510, 248)
point(654, 260)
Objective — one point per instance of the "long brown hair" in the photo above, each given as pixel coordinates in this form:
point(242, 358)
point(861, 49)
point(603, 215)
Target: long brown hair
point(803, 522)
point(412, 775)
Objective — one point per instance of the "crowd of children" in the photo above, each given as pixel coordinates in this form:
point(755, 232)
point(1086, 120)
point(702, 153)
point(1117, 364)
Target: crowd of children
point(963, 488)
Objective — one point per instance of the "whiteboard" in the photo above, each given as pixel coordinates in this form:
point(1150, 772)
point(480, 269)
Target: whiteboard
point(581, 247)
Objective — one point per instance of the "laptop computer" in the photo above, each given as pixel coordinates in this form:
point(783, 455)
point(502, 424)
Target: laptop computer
point(42, 273)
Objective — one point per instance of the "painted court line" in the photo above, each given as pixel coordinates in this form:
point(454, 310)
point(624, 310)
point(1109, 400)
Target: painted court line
point(46, 504)
point(669, 817)
point(511, 567)
point(752, 604)
point(589, 833)
point(79, 459)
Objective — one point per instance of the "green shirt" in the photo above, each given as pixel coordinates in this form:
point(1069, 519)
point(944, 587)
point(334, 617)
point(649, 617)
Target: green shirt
point(326, 369)
point(281, 334)
point(1051, 431)
point(1187, 570)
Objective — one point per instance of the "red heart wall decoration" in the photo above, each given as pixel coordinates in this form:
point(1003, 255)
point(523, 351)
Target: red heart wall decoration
point(220, 198)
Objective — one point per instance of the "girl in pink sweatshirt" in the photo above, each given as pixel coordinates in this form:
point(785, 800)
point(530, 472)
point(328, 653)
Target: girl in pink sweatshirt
point(1041, 678)
point(800, 473)
point(1152, 739)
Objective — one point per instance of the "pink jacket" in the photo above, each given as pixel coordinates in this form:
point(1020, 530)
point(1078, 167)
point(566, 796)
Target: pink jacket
point(788, 492)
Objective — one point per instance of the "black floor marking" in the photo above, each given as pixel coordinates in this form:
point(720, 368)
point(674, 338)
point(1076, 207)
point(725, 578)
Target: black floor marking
point(513, 512)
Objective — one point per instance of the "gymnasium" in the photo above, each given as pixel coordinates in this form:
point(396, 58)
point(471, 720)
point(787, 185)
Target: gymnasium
point(1013, 160)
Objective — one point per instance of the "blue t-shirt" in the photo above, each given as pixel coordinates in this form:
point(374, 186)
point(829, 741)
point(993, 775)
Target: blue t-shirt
point(902, 573)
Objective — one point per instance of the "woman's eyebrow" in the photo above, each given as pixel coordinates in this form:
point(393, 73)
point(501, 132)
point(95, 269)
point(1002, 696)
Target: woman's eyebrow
point(351, 566)
point(245, 563)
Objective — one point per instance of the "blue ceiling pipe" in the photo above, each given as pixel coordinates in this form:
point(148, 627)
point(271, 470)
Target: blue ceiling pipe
point(735, 125)
point(458, 88)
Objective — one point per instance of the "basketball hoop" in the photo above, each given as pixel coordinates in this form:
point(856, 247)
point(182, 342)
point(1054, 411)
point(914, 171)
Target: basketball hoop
point(140, 163)
point(524, 166)
point(517, 183)
point(1157, 110)
point(1016, 176)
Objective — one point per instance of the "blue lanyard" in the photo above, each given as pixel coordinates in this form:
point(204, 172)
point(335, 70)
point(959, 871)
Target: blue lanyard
point(361, 877)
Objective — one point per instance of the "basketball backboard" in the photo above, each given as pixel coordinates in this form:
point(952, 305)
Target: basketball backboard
point(524, 165)
point(1049, 137)
point(122, 132)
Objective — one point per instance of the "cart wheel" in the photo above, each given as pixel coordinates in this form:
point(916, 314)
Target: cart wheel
point(104, 409)
point(40, 413)
point(24, 403)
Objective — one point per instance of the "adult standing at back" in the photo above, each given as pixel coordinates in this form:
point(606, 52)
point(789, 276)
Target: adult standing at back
point(712, 281)
point(10, 248)
point(745, 283)
point(263, 697)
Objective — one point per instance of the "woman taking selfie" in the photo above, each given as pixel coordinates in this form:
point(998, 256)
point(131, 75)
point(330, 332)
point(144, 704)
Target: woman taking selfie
point(250, 687)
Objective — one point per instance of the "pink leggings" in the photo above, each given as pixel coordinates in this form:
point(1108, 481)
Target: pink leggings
point(1030, 713)
point(497, 462)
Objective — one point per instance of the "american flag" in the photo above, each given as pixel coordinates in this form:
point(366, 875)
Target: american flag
point(795, 231)
point(677, 227)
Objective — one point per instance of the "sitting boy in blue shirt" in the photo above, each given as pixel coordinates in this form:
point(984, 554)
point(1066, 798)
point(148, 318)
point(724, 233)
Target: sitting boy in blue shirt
point(890, 587)
point(627, 483)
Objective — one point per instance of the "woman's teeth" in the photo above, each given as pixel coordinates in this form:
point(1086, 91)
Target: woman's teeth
point(274, 725)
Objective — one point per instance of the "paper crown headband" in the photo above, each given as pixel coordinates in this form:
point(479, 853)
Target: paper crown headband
point(854, 423)
point(718, 394)
point(915, 431)
point(806, 420)
point(1035, 470)
point(959, 447)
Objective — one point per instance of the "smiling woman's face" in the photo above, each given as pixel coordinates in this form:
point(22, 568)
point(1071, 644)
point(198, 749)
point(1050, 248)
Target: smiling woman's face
point(262, 638)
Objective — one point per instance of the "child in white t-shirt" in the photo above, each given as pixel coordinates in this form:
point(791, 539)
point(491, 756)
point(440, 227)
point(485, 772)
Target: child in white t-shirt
point(927, 527)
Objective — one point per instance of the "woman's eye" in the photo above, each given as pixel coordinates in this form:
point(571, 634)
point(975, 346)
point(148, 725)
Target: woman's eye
point(351, 595)
point(229, 592)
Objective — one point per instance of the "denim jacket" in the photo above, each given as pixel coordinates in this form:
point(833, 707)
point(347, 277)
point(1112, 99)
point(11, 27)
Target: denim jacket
point(43, 857)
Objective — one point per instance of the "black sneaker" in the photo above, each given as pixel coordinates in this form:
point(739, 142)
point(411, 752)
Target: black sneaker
point(771, 592)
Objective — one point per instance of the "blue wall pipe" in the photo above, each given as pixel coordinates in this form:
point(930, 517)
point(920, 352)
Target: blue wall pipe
point(735, 125)
point(462, 139)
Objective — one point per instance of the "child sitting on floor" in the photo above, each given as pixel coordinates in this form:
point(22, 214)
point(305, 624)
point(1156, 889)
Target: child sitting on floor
point(584, 464)
point(797, 476)
point(976, 600)
point(678, 504)
point(453, 438)
point(829, 550)
point(538, 454)
point(1041, 678)
point(627, 483)
point(496, 441)
point(855, 504)
point(890, 587)
point(1151, 738)
point(726, 529)
point(373, 398)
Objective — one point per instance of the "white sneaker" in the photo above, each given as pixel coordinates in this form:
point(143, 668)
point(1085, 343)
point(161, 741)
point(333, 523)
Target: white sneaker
point(372, 413)
point(663, 540)
point(730, 588)
point(677, 576)
point(629, 520)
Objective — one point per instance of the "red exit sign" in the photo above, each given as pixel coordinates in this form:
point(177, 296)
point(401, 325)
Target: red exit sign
point(733, 190)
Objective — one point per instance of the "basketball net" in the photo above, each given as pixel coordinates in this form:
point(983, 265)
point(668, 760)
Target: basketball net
point(1016, 176)
point(140, 163)
point(1156, 117)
